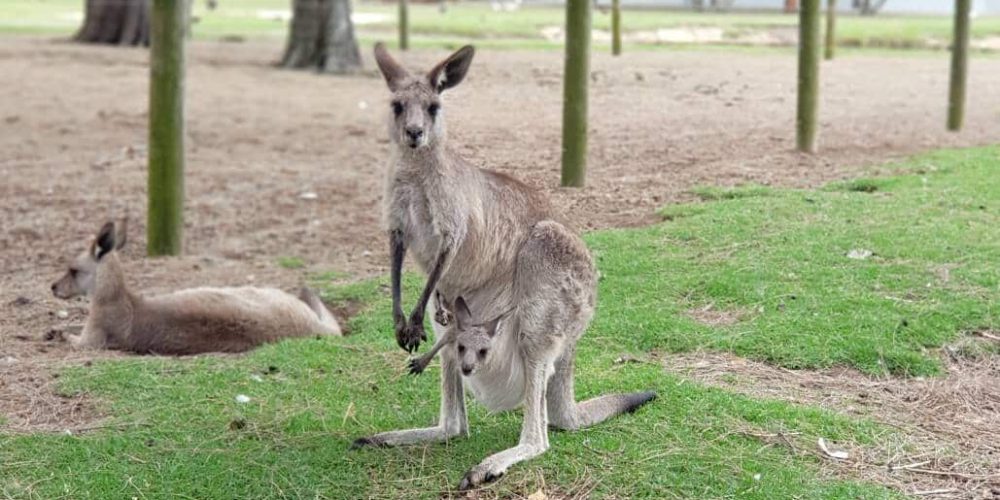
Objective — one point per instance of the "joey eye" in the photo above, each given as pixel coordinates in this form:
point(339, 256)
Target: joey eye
point(73, 272)
point(482, 353)
point(461, 349)
point(433, 109)
point(397, 108)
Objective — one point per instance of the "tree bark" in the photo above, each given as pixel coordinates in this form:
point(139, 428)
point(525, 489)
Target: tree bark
point(321, 36)
point(115, 22)
point(616, 27)
point(165, 215)
point(831, 28)
point(575, 81)
point(959, 66)
point(404, 25)
point(808, 91)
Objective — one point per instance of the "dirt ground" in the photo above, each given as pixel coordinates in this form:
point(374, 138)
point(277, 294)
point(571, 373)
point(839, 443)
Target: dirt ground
point(289, 164)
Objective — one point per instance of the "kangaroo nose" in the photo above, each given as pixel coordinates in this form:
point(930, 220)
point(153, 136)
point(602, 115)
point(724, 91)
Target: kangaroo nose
point(414, 133)
point(466, 370)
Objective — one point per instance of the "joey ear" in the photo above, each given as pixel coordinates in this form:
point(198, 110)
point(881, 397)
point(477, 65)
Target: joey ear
point(391, 70)
point(462, 313)
point(491, 327)
point(105, 241)
point(121, 233)
point(451, 71)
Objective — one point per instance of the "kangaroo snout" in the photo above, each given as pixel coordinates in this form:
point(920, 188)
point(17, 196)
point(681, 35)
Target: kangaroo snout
point(414, 134)
point(466, 369)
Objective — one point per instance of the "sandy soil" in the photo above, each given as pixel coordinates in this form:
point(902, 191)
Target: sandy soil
point(72, 154)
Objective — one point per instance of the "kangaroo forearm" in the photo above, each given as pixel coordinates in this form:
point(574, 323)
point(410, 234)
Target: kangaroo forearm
point(432, 281)
point(397, 249)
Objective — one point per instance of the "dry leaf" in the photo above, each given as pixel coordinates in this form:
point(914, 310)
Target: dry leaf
point(538, 495)
point(839, 455)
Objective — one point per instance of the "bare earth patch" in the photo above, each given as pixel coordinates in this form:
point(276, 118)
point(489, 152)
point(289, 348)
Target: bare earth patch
point(709, 315)
point(950, 425)
point(289, 164)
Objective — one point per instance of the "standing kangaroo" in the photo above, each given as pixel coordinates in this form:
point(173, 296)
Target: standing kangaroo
point(489, 241)
point(188, 321)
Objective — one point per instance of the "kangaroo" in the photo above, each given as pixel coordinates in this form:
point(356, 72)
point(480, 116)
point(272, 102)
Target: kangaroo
point(495, 242)
point(524, 356)
point(462, 224)
point(191, 321)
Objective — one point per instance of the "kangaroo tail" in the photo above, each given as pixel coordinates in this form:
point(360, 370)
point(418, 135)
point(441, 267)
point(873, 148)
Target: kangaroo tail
point(322, 313)
point(601, 408)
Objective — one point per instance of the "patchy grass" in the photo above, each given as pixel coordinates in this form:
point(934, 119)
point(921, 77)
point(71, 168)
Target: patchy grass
point(291, 262)
point(176, 427)
point(784, 257)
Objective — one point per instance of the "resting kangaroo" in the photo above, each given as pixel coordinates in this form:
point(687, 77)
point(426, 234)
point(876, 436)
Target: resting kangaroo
point(486, 241)
point(189, 321)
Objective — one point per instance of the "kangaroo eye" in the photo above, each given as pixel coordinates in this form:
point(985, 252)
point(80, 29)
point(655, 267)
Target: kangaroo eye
point(482, 353)
point(461, 349)
point(397, 108)
point(433, 109)
point(73, 272)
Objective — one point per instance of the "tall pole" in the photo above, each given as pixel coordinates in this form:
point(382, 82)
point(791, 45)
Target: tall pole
point(404, 25)
point(831, 26)
point(616, 27)
point(575, 79)
point(165, 223)
point(808, 93)
point(959, 66)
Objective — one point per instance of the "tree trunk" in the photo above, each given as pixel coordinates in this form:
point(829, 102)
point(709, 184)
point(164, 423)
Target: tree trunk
point(575, 80)
point(404, 25)
point(808, 92)
point(616, 27)
point(831, 27)
point(165, 216)
point(321, 36)
point(116, 22)
point(959, 66)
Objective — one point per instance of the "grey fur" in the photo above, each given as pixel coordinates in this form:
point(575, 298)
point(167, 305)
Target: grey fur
point(489, 244)
point(188, 321)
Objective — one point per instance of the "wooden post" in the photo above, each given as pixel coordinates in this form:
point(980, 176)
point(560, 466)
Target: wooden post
point(165, 223)
point(959, 66)
point(404, 25)
point(808, 92)
point(575, 79)
point(831, 26)
point(616, 27)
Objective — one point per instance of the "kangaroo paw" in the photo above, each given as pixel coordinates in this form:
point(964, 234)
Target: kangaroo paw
point(478, 477)
point(417, 365)
point(373, 442)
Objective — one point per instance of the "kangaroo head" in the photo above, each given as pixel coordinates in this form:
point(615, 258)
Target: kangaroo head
point(473, 341)
point(416, 121)
point(79, 278)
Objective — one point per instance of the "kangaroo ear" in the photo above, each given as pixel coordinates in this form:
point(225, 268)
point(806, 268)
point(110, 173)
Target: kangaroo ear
point(462, 314)
point(121, 233)
point(391, 70)
point(105, 241)
point(451, 71)
point(491, 327)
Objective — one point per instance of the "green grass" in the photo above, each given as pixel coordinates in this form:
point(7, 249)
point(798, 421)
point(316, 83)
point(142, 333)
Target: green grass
point(780, 257)
point(518, 29)
point(291, 262)
point(177, 430)
point(776, 254)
